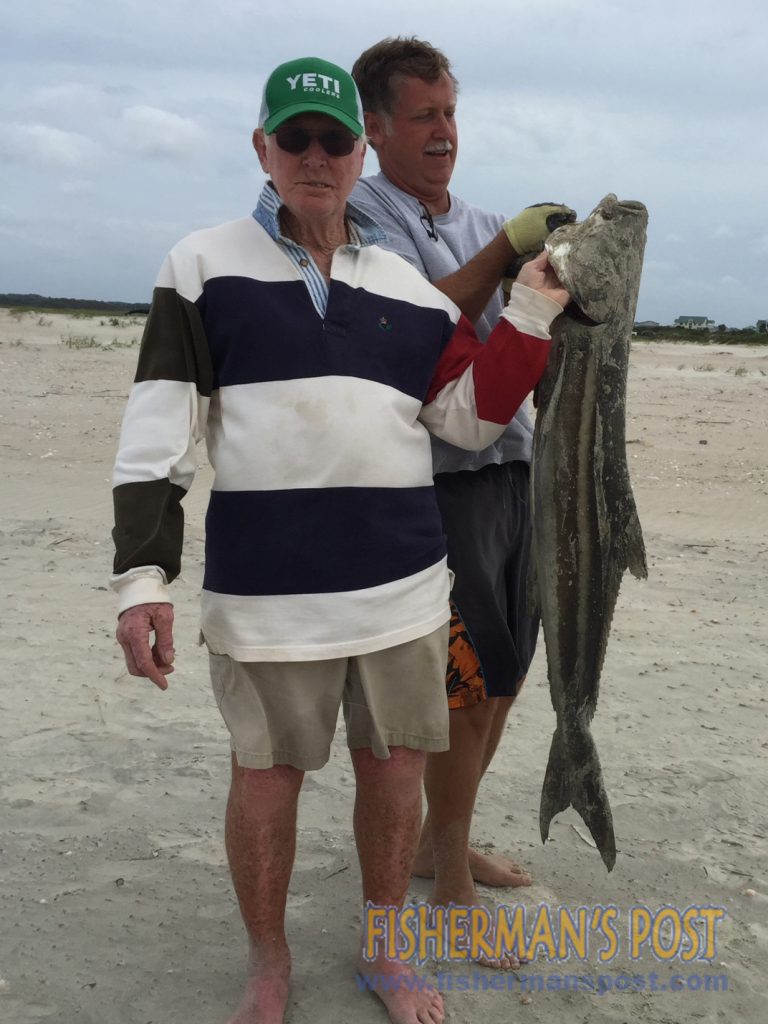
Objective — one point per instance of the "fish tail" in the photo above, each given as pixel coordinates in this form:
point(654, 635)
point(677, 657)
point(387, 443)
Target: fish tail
point(574, 778)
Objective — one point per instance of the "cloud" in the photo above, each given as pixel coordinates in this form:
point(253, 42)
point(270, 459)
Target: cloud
point(31, 240)
point(659, 267)
point(37, 143)
point(159, 133)
point(74, 187)
point(583, 107)
point(730, 282)
point(63, 96)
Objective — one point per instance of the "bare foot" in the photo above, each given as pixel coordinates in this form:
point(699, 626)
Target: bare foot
point(465, 895)
point(497, 870)
point(266, 989)
point(501, 963)
point(486, 868)
point(408, 997)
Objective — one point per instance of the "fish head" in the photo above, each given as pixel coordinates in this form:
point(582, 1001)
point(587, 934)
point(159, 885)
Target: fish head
point(593, 257)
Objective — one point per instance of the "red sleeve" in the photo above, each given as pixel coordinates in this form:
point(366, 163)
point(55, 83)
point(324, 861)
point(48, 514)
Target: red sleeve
point(505, 369)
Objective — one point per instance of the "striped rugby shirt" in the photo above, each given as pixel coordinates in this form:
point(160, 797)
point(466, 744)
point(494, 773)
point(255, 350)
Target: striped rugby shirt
point(323, 537)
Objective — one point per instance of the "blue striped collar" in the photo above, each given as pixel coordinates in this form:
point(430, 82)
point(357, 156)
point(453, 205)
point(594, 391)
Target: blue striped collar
point(363, 229)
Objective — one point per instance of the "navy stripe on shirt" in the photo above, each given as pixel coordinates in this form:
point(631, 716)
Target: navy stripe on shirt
point(307, 541)
point(263, 331)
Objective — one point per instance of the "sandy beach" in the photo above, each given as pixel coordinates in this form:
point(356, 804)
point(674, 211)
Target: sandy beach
point(116, 904)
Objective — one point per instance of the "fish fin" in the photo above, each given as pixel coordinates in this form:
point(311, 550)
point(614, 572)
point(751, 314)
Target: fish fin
point(635, 548)
point(574, 778)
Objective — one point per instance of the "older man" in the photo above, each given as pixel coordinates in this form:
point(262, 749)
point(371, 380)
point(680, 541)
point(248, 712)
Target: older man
point(313, 363)
point(409, 97)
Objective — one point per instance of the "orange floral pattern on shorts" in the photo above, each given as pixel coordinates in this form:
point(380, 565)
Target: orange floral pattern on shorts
point(464, 680)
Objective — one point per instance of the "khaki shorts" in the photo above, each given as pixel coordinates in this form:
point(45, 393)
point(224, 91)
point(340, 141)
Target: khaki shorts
point(285, 712)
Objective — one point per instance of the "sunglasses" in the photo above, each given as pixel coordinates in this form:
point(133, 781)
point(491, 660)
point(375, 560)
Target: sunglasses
point(295, 140)
point(428, 224)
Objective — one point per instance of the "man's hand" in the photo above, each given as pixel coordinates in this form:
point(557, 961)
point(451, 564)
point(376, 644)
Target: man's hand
point(133, 632)
point(527, 231)
point(539, 275)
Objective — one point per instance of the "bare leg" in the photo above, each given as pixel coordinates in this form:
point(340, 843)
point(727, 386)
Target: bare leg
point(452, 781)
point(493, 868)
point(261, 842)
point(500, 710)
point(387, 817)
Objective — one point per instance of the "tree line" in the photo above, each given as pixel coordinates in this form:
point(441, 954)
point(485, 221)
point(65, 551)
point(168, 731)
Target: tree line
point(47, 302)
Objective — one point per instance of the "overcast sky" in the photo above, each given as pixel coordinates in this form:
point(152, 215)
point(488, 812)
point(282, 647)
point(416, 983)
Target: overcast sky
point(123, 126)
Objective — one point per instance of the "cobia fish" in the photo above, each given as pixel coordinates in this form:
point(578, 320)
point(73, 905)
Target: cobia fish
point(585, 527)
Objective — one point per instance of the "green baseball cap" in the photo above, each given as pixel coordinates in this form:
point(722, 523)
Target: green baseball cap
point(310, 86)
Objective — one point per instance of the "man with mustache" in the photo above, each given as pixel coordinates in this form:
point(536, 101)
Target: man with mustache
point(409, 98)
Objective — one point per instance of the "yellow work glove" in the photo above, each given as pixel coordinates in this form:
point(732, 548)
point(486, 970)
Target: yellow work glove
point(526, 232)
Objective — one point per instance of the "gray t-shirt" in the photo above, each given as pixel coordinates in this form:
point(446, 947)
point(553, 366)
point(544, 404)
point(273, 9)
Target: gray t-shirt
point(461, 234)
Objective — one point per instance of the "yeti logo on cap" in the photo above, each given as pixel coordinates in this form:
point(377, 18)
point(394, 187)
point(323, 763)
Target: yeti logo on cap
point(309, 83)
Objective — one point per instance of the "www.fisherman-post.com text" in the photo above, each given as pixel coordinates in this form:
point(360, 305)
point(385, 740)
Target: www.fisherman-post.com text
point(527, 983)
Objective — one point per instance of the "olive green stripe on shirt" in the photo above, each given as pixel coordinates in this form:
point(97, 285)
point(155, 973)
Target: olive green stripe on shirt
point(150, 526)
point(174, 346)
